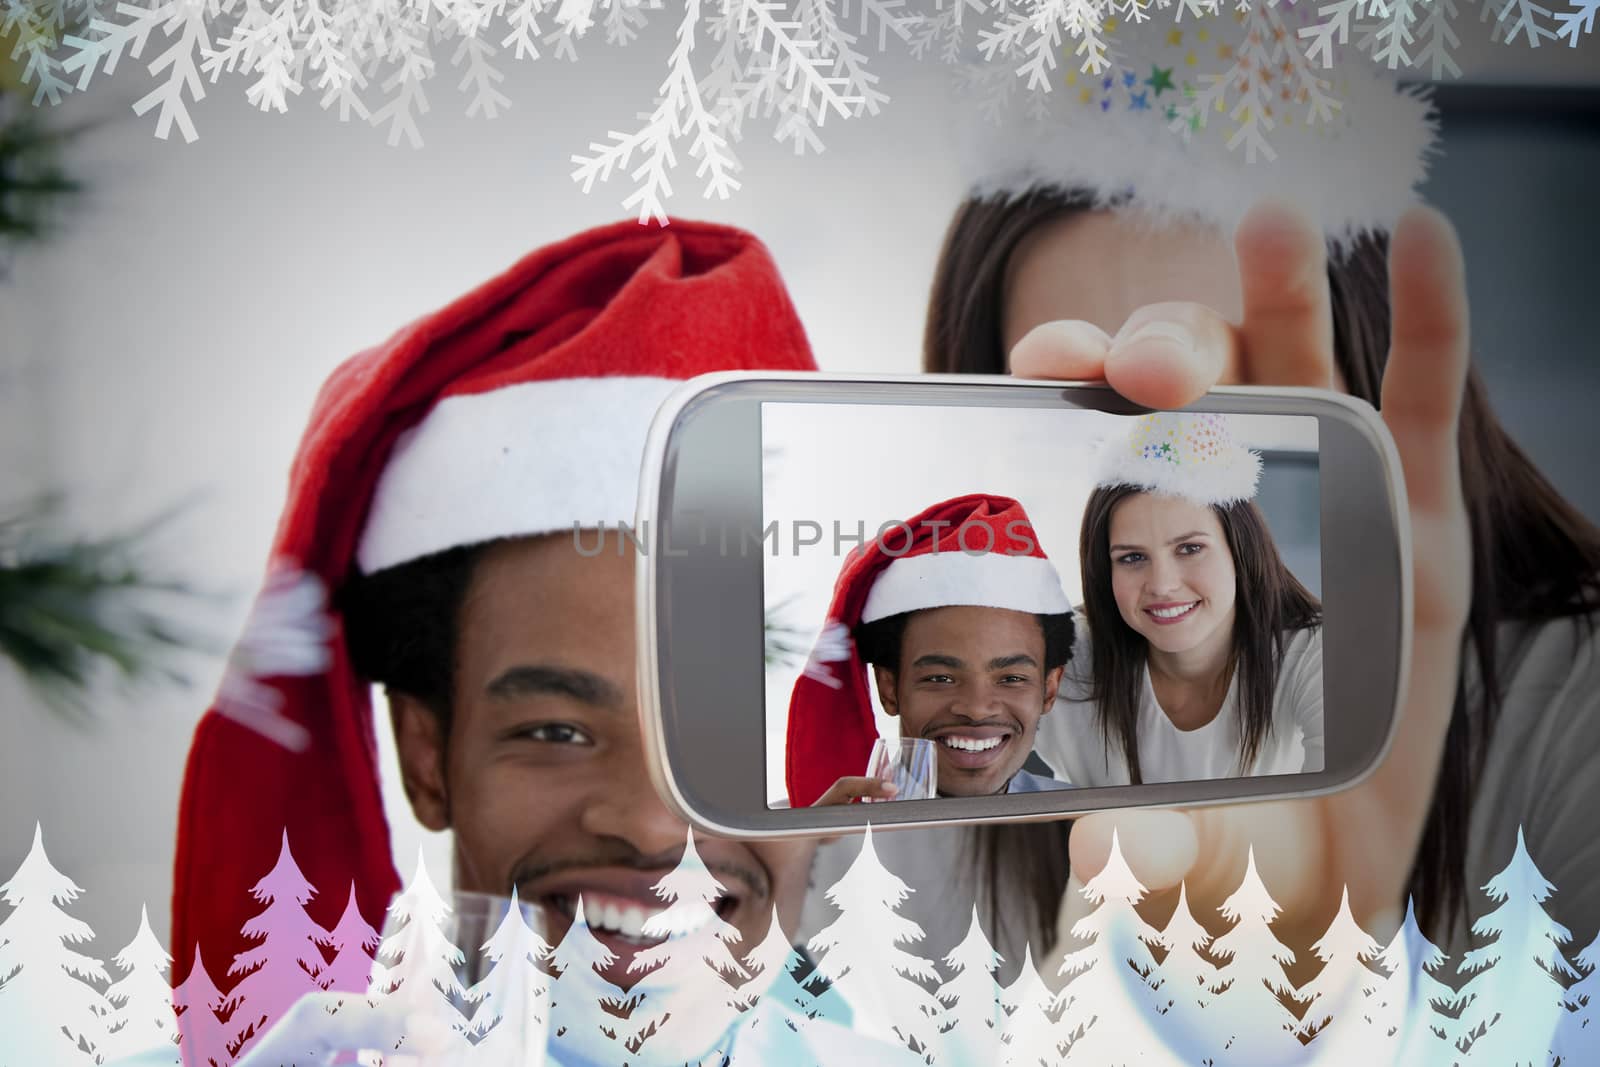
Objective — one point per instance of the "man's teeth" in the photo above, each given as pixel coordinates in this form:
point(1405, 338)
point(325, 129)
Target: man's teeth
point(972, 744)
point(630, 920)
point(1172, 613)
point(627, 921)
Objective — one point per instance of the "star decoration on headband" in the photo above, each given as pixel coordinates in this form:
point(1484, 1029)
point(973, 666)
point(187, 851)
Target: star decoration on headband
point(1125, 91)
point(1266, 82)
point(1184, 454)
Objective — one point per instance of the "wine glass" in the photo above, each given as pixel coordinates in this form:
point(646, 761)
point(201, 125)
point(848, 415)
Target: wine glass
point(911, 763)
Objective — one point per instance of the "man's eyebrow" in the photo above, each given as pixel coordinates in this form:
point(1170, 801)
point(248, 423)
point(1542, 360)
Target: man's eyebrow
point(533, 679)
point(1190, 536)
point(938, 659)
point(1020, 659)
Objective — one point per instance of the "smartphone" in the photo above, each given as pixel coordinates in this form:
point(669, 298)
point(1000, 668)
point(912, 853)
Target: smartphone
point(791, 619)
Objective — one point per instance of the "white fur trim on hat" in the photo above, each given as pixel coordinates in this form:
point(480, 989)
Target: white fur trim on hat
point(523, 460)
point(1182, 454)
point(947, 579)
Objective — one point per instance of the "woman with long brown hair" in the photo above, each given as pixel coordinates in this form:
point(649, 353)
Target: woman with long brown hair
point(1202, 657)
point(1044, 281)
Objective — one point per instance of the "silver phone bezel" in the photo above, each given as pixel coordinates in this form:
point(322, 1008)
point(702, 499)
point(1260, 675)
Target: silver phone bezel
point(1350, 412)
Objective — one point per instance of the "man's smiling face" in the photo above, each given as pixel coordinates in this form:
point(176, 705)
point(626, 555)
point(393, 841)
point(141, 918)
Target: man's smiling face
point(973, 680)
point(543, 775)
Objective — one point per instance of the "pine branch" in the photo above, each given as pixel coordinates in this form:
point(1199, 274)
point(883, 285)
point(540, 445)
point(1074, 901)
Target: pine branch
point(32, 181)
point(784, 644)
point(68, 607)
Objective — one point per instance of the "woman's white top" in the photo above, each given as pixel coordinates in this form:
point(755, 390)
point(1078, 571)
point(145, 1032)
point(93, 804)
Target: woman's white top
point(1070, 740)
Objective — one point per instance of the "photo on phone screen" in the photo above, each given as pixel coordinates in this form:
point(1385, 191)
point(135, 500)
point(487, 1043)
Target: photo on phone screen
point(971, 601)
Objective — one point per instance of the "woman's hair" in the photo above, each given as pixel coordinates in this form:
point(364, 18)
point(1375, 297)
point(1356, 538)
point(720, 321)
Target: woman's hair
point(1270, 604)
point(1534, 556)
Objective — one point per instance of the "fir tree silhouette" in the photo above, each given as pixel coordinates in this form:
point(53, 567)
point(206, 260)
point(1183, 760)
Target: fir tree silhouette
point(1260, 1030)
point(687, 989)
point(861, 957)
point(144, 1018)
point(1404, 1009)
point(353, 942)
point(201, 1017)
point(1110, 1001)
point(284, 966)
point(772, 966)
point(1186, 982)
point(513, 998)
point(584, 1007)
point(1515, 999)
point(777, 1007)
point(1578, 1035)
point(1336, 997)
point(973, 1024)
point(1031, 1035)
point(423, 964)
point(50, 1013)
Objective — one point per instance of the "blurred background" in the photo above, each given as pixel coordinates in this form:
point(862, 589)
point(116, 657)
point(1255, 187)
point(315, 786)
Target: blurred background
point(161, 347)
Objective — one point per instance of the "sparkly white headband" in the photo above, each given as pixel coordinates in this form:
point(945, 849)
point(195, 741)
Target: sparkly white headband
point(1193, 122)
point(1182, 454)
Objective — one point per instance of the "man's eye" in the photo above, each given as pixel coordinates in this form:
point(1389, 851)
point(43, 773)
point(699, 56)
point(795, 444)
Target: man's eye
point(555, 733)
point(939, 678)
point(1016, 679)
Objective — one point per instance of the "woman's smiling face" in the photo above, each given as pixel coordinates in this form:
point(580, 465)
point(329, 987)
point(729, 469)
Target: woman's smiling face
point(1172, 573)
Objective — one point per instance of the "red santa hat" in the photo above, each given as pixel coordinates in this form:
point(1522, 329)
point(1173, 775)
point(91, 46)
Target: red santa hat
point(976, 550)
point(520, 408)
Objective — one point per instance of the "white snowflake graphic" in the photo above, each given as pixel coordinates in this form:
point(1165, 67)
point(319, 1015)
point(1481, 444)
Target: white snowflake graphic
point(786, 65)
point(833, 646)
point(287, 635)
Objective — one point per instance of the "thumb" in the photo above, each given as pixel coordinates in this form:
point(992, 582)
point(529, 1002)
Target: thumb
point(1159, 847)
point(1290, 842)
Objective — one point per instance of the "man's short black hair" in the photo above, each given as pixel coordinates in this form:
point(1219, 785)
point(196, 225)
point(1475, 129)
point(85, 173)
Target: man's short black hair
point(879, 641)
point(401, 624)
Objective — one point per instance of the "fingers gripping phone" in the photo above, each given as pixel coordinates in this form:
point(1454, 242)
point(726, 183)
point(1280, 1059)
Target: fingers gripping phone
point(943, 599)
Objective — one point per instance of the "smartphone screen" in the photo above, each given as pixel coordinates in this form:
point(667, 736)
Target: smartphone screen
point(980, 687)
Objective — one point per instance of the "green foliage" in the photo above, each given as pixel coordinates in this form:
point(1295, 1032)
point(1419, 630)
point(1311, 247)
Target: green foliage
point(784, 645)
point(32, 182)
point(68, 608)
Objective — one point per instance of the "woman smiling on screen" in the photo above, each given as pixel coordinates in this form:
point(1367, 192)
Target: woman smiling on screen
point(1203, 656)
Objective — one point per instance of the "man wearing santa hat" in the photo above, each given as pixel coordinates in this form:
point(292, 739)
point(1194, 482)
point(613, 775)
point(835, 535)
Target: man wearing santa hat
point(438, 491)
point(967, 629)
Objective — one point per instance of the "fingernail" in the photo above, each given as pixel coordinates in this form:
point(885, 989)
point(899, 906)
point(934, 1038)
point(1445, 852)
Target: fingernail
point(1167, 332)
point(1083, 335)
point(891, 788)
